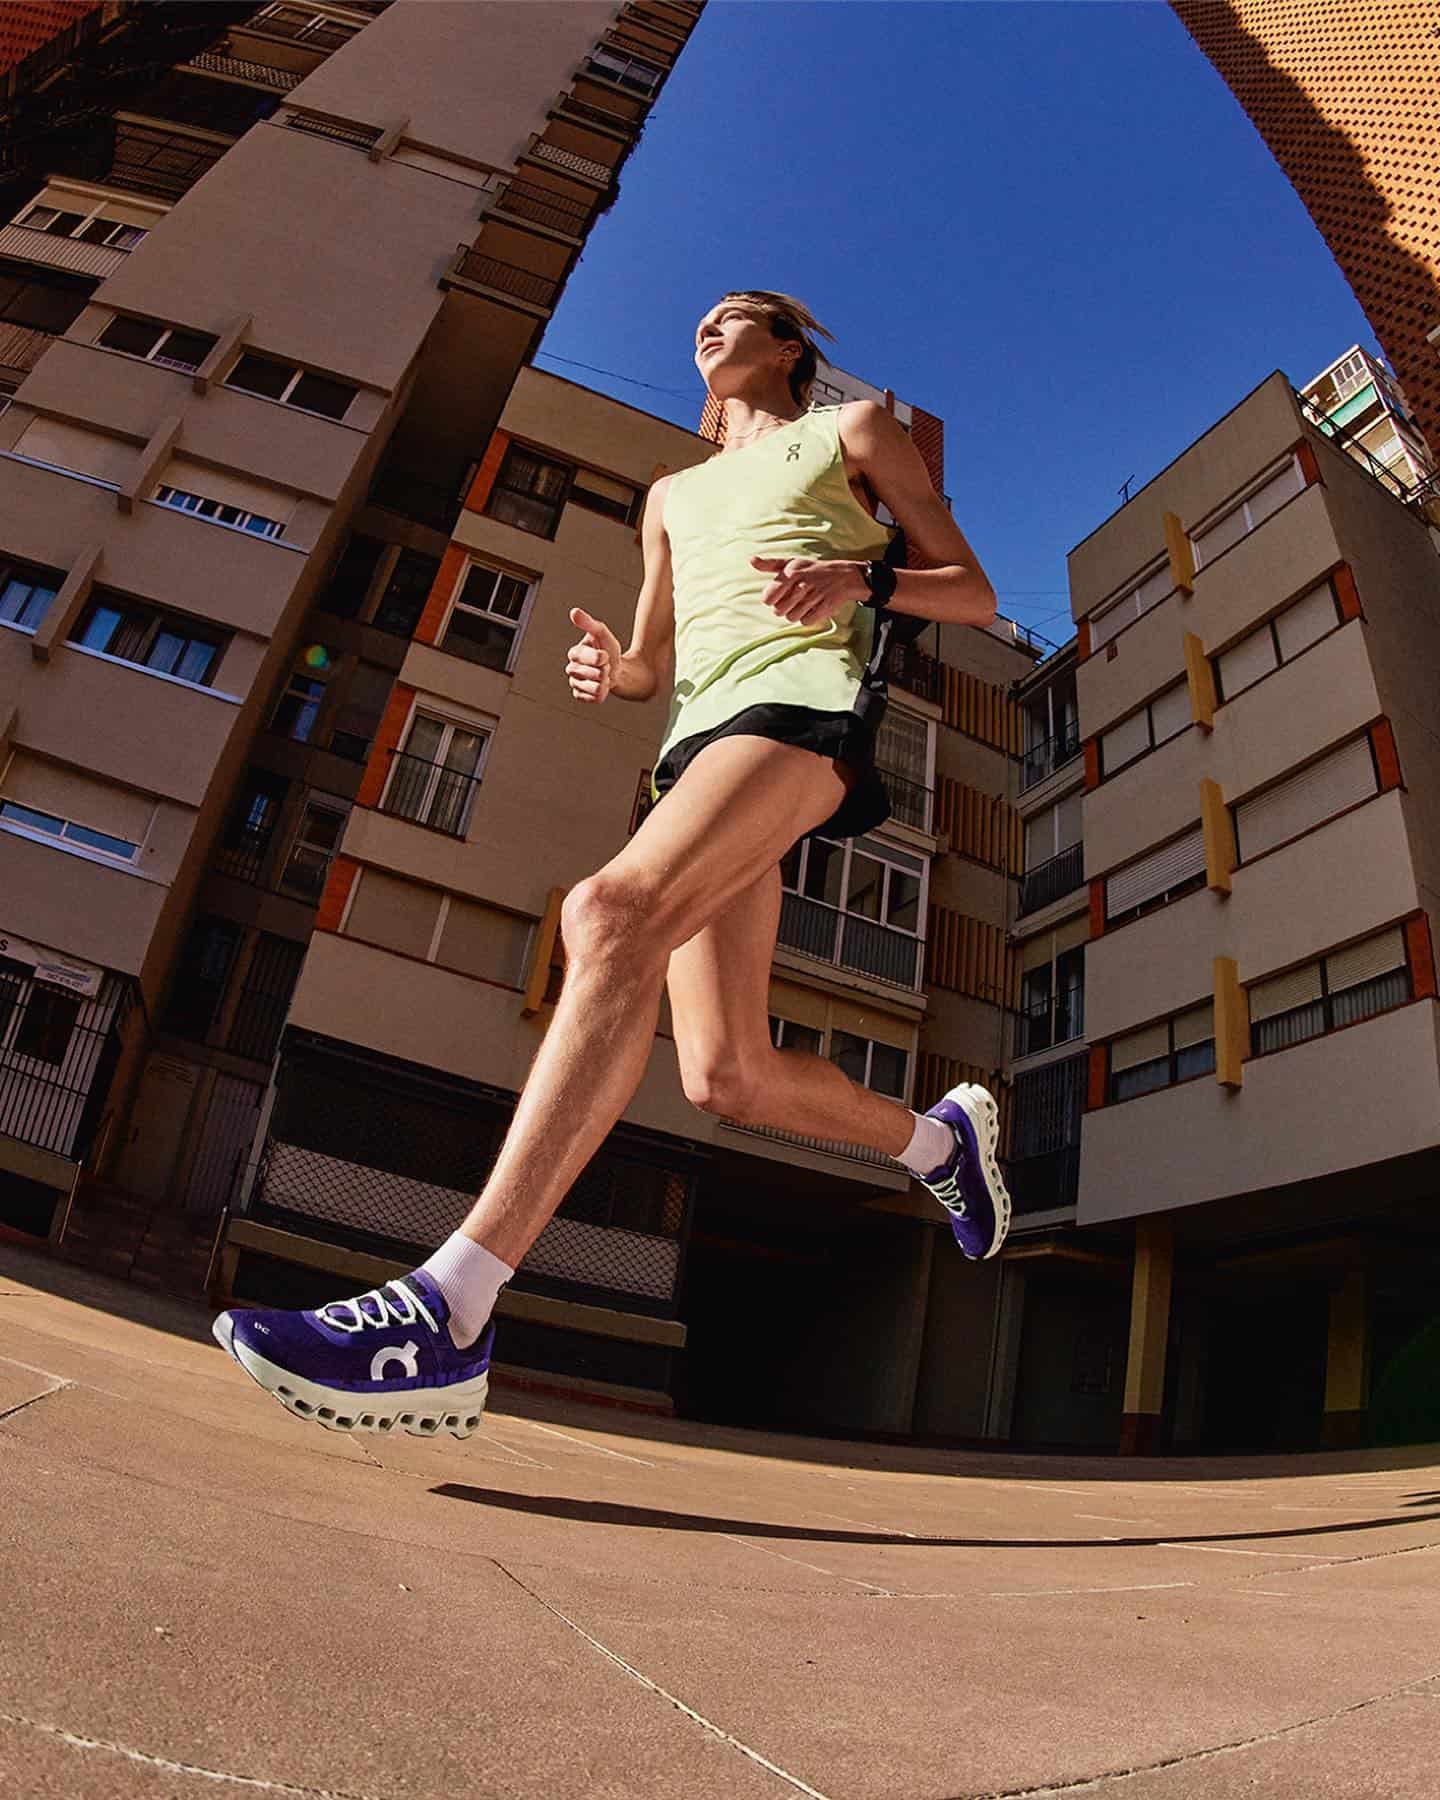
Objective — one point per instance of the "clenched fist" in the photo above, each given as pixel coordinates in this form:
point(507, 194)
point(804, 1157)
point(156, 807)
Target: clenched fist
point(594, 661)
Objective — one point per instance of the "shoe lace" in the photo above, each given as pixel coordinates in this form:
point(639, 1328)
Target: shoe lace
point(947, 1191)
point(401, 1310)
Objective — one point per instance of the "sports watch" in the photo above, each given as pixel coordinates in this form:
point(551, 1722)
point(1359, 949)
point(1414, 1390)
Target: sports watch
point(880, 579)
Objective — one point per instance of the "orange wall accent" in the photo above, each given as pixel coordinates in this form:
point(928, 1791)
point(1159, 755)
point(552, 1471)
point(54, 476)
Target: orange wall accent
point(1306, 452)
point(451, 563)
point(1097, 907)
point(1349, 594)
point(1421, 950)
point(1092, 762)
point(1082, 637)
point(338, 884)
point(1387, 757)
point(386, 738)
point(1099, 1057)
point(479, 495)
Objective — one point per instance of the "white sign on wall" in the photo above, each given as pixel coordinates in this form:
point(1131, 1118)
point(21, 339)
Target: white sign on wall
point(49, 965)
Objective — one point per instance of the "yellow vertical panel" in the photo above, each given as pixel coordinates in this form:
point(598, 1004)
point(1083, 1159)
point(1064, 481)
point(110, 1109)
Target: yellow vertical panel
point(542, 954)
point(1219, 830)
point(1232, 1024)
point(1200, 678)
point(1182, 555)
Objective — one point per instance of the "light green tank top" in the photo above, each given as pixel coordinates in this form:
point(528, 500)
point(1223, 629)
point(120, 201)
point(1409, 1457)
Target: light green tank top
point(783, 495)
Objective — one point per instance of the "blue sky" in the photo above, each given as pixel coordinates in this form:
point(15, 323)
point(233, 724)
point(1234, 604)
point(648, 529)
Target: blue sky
point(1047, 221)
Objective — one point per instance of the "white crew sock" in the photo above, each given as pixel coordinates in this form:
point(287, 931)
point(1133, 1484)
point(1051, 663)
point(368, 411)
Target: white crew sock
point(932, 1143)
point(470, 1278)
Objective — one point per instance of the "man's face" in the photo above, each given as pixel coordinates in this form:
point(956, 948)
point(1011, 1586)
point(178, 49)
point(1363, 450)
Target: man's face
point(734, 341)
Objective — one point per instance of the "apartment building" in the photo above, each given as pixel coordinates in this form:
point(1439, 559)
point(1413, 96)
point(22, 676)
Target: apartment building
point(1253, 1233)
point(258, 316)
point(1345, 97)
point(429, 983)
point(1358, 402)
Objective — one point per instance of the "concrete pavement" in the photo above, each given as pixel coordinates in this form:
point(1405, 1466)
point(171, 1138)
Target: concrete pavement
point(201, 1595)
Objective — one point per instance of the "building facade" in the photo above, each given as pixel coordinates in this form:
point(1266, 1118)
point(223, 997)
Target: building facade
point(1348, 97)
point(231, 474)
point(1253, 1234)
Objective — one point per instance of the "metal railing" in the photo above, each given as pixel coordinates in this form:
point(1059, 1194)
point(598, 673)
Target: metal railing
point(1044, 1183)
point(1411, 493)
point(504, 277)
point(848, 941)
point(599, 115)
point(243, 857)
point(587, 167)
point(26, 243)
point(1044, 759)
point(543, 206)
point(911, 803)
point(56, 1074)
point(21, 346)
point(1047, 881)
point(1038, 1028)
point(914, 670)
point(427, 793)
point(860, 1153)
point(262, 74)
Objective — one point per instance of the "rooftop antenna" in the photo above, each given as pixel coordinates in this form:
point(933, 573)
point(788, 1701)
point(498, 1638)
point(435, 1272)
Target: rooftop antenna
point(1125, 490)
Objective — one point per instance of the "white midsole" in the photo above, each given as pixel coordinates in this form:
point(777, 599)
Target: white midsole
point(458, 1397)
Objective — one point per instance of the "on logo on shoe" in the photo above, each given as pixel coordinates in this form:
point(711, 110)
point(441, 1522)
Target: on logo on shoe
point(405, 1355)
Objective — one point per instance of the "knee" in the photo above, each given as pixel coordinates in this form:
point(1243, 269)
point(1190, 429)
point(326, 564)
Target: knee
point(724, 1086)
point(604, 917)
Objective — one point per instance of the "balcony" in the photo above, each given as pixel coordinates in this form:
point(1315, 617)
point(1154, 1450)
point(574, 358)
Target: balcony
point(1049, 881)
point(543, 206)
point(21, 347)
point(27, 244)
point(148, 159)
point(848, 941)
point(1044, 1183)
point(913, 670)
point(585, 111)
point(413, 497)
point(910, 803)
point(1041, 1027)
point(488, 275)
point(586, 167)
point(427, 793)
point(239, 68)
point(1046, 1106)
point(1044, 759)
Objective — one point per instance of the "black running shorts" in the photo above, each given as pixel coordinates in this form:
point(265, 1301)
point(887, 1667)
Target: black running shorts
point(843, 735)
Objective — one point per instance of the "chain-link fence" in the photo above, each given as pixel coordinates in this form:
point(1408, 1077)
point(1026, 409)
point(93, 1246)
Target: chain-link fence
point(390, 1158)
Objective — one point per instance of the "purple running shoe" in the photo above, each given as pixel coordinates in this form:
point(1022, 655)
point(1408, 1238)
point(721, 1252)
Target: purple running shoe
point(968, 1184)
point(383, 1359)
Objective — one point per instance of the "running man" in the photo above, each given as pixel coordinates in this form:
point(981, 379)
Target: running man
point(762, 583)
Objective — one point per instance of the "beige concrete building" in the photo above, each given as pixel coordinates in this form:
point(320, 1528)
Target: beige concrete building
point(257, 325)
point(423, 998)
point(1254, 1232)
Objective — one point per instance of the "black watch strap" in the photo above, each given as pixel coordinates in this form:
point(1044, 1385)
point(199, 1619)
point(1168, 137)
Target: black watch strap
point(880, 579)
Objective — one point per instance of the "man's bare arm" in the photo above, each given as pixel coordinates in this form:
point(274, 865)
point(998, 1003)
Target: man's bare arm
point(597, 667)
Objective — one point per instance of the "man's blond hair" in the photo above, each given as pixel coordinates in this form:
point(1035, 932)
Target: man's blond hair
point(793, 322)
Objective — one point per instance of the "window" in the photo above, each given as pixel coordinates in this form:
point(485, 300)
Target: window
point(242, 849)
point(1239, 521)
point(529, 492)
point(300, 703)
point(881, 1067)
point(485, 620)
point(1052, 1003)
point(627, 71)
point(1165, 874)
point(166, 344)
point(291, 385)
point(90, 227)
point(785, 1034)
point(29, 820)
point(219, 512)
point(151, 639)
point(1314, 616)
point(1161, 1055)
point(270, 979)
point(1053, 831)
point(604, 494)
point(402, 602)
point(314, 847)
point(349, 586)
point(25, 593)
point(46, 1024)
point(1165, 717)
point(36, 303)
point(1340, 989)
point(200, 976)
point(1294, 806)
point(903, 756)
point(434, 777)
point(1157, 586)
point(858, 904)
point(316, 30)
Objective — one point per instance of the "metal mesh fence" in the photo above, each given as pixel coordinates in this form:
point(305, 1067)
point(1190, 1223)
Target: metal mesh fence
point(396, 1163)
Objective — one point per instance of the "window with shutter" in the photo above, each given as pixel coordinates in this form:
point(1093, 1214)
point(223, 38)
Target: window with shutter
point(1317, 793)
point(1170, 712)
point(1124, 742)
point(1140, 1047)
point(1244, 663)
point(1160, 872)
point(1282, 993)
point(1275, 493)
point(1308, 619)
point(1363, 962)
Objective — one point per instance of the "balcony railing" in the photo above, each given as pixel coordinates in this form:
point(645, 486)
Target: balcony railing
point(27, 244)
point(242, 69)
point(1044, 1183)
point(586, 167)
point(503, 277)
point(598, 115)
point(910, 802)
point(413, 497)
point(543, 206)
point(243, 856)
point(860, 1153)
point(913, 670)
point(21, 347)
point(427, 793)
point(1044, 759)
point(1062, 874)
point(848, 941)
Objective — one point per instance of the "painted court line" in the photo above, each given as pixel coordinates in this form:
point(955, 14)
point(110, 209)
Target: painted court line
point(765, 1550)
point(580, 1443)
point(1220, 1550)
point(655, 1688)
